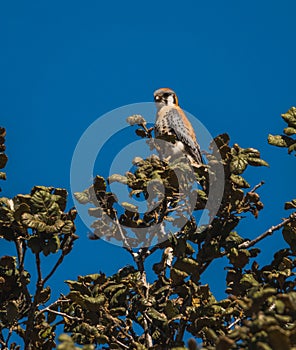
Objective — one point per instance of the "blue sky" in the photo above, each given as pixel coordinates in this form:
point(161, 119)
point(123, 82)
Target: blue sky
point(64, 64)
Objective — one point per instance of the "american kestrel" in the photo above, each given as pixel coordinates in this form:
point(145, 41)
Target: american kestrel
point(171, 120)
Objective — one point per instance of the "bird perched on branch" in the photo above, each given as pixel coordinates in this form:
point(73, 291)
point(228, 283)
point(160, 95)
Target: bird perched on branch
point(172, 124)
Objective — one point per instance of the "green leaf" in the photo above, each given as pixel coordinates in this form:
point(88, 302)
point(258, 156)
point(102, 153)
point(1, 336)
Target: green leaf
point(249, 281)
point(3, 160)
point(177, 276)
point(44, 295)
point(136, 119)
point(252, 152)
point(23, 208)
point(56, 227)
point(62, 195)
point(289, 234)
point(113, 288)
point(239, 181)
point(68, 227)
point(52, 246)
point(79, 287)
point(82, 197)
point(137, 161)
point(224, 343)
point(94, 277)
point(278, 338)
point(99, 183)
point(45, 202)
point(171, 310)
point(187, 265)
point(280, 140)
point(290, 205)
point(141, 133)
point(238, 164)
point(290, 117)
point(118, 311)
point(239, 258)
point(120, 294)
point(12, 312)
point(8, 262)
point(91, 303)
point(129, 207)
point(234, 237)
point(33, 221)
point(290, 131)
point(35, 244)
point(222, 140)
point(117, 178)
point(257, 162)
point(292, 147)
point(155, 315)
point(41, 199)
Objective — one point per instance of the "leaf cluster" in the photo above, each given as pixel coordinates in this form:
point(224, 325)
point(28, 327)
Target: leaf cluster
point(286, 140)
point(36, 223)
point(125, 311)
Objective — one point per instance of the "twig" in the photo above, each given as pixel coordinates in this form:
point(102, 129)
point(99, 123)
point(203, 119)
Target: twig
point(251, 243)
point(34, 304)
point(119, 343)
point(9, 335)
point(148, 337)
point(125, 241)
point(39, 273)
point(18, 245)
point(234, 323)
point(53, 304)
point(146, 130)
point(3, 343)
point(257, 186)
point(60, 259)
point(269, 232)
point(57, 264)
point(48, 309)
point(21, 251)
point(74, 318)
point(39, 286)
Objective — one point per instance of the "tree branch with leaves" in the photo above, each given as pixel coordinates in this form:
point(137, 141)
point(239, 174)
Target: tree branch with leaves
point(128, 311)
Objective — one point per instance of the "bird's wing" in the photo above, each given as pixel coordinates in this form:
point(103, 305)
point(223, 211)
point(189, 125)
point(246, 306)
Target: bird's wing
point(178, 123)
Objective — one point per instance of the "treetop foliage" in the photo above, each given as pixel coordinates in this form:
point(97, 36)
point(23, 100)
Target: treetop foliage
point(125, 311)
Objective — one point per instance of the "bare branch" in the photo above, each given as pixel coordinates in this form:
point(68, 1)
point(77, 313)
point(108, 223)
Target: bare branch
point(39, 273)
point(148, 132)
point(234, 323)
point(149, 342)
point(21, 252)
point(53, 304)
point(60, 259)
point(74, 318)
point(57, 264)
point(269, 232)
point(122, 235)
point(257, 186)
point(119, 343)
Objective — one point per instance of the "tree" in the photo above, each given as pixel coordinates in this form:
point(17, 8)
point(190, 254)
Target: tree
point(124, 311)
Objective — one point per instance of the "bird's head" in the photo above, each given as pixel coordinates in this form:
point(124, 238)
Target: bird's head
point(165, 97)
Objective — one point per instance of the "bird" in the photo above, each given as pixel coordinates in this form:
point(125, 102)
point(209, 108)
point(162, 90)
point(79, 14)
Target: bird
point(171, 121)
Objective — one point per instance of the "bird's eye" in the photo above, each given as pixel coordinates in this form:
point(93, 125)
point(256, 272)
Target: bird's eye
point(157, 98)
